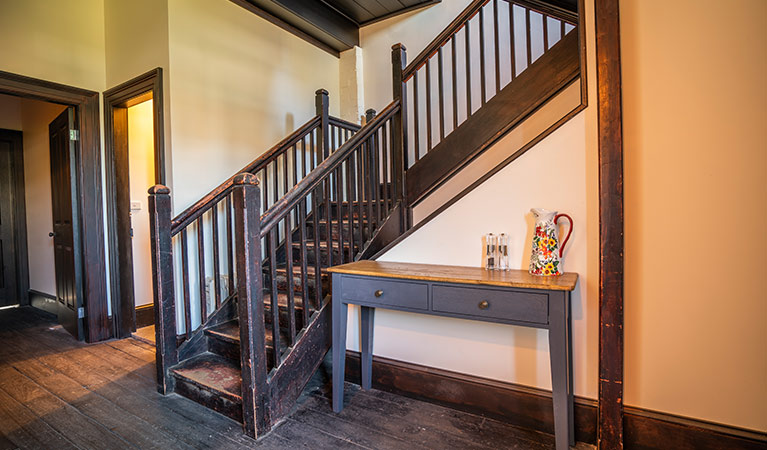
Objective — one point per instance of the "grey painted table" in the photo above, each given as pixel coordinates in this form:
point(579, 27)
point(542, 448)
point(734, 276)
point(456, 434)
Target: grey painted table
point(511, 297)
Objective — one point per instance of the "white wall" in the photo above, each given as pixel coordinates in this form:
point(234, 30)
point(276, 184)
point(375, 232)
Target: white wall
point(141, 169)
point(238, 84)
point(695, 109)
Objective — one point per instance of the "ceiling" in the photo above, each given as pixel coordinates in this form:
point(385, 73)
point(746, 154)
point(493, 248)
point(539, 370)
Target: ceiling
point(333, 25)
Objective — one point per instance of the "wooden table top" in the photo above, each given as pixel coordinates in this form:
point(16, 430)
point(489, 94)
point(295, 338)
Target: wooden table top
point(458, 274)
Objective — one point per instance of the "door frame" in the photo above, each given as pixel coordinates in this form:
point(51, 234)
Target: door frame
point(19, 214)
point(88, 179)
point(116, 103)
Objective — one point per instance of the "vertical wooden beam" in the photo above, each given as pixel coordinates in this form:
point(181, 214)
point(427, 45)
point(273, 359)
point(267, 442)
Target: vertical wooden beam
point(247, 237)
point(162, 286)
point(322, 104)
point(610, 431)
point(399, 130)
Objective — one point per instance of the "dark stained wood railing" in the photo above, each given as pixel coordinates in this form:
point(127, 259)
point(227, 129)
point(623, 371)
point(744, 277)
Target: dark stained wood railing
point(485, 48)
point(344, 201)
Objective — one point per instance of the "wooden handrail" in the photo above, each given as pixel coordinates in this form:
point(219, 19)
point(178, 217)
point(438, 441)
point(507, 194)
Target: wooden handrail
point(198, 208)
point(467, 14)
point(344, 123)
point(274, 214)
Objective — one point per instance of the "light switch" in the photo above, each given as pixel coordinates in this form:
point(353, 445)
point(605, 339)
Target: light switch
point(135, 206)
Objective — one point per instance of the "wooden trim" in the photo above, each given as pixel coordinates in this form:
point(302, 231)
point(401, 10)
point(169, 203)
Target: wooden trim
point(532, 408)
point(18, 213)
point(144, 315)
point(407, 9)
point(610, 224)
point(88, 178)
point(43, 301)
point(116, 103)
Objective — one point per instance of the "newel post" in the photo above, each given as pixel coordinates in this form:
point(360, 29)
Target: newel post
point(162, 286)
point(246, 195)
point(399, 128)
point(322, 104)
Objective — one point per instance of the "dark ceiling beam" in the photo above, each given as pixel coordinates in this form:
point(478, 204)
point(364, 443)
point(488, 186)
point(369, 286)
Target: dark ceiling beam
point(310, 20)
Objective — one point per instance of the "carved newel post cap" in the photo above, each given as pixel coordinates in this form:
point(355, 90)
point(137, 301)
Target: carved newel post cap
point(245, 178)
point(321, 92)
point(159, 189)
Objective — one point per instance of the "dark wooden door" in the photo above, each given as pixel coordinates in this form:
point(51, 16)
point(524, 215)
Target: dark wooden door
point(66, 233)
point(9, 286)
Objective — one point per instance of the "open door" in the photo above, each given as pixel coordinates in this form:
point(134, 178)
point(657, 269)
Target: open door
point(66, 231)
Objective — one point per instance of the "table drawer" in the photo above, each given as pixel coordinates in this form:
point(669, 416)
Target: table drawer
point(500, 304)
point(403, 294)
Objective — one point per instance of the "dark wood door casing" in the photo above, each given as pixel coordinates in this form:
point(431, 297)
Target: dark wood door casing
point(66, 234)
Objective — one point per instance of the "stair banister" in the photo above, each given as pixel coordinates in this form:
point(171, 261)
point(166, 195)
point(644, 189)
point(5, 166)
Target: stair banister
point(162, 286)
point(255, 392)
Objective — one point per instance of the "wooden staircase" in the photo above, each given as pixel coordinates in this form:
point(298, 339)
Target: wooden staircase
point(245, 266)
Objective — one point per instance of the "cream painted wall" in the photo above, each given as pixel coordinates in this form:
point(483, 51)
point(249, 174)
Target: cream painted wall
point(141, 169)
point(56, 41)
point(238, 85)
point(559, 173)
point(32, 117)
point(695, 109)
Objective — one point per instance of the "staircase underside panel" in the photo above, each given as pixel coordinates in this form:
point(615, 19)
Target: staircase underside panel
point(553, 71)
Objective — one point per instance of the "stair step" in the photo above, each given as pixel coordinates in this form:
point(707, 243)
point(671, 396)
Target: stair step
point(282, 279)
point(224, 340)
point(213, 381)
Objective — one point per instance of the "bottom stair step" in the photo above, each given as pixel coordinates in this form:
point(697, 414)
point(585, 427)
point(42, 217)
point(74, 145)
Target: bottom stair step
point(212, 381)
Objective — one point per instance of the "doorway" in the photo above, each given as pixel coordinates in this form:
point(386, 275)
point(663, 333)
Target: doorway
point(13, 239)
point(133, 121)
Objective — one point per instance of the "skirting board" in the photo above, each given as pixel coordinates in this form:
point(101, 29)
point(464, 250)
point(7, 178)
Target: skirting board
point(532, 408)
point(144, 315)
point(43, 301)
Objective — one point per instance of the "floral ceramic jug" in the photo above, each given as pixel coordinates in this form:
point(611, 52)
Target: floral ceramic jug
point(547, 253)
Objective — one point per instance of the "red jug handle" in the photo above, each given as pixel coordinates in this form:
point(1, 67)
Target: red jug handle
point(569, 232)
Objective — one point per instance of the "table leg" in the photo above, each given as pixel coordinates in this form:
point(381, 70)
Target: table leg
point(366, 344)
point(339, 345)
point(561, 369)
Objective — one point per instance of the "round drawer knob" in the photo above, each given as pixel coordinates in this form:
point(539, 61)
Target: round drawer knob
point(379, 293)
point(483, 304)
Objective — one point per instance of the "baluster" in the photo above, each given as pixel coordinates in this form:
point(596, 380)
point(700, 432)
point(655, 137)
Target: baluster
point(275, 299)
point(166, 355)
point(313, 139)
point(216, 261)
point(528, 35)
point(561, 29)
point(377, 177)
point(185, 276)
point(455, 82)
point(285, 173)
point(303, 158)
point(512, 50)
point(317, 272)
point(275, 180)
point(416, 135)
point(482, 80)
point(201, 270)
point(369, 180)
point(250, 306)
point(360, 192)
point(496, 31)
point(289, 278)
point(399, 121)
point(350, 219)
point(321, 106)
point(265, 187)
point(328, 224)
point(230, 244)
point(428, 105)
point(340, 212)
point(545, 32)
point(302, 254)
point(295, 164)
point(385, 152)
point(441, 98)
point(468, 69)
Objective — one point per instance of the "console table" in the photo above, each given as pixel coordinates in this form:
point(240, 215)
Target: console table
point(510, 297)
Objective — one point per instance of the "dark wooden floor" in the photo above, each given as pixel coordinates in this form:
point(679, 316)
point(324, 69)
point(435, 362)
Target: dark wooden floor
point(58, 393)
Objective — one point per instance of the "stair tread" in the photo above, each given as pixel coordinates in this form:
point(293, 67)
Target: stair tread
point(323, 244)
point(230, 332)
point(213, 373)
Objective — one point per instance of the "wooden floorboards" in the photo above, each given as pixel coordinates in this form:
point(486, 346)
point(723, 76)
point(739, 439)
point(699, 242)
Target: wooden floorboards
point(58, 393)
